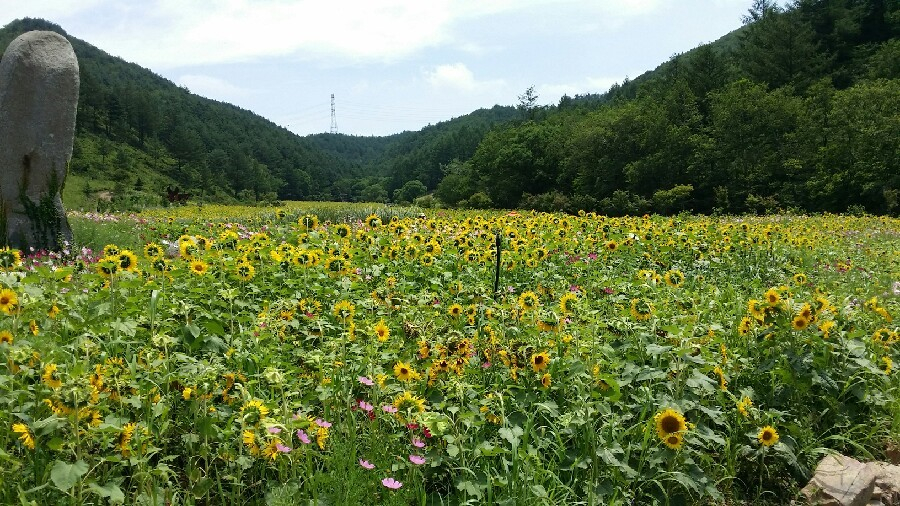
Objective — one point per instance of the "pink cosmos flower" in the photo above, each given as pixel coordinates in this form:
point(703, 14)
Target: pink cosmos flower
point(418, 443)
point(322, 423)
point(366, 406)
point(274, 430)
point(365, 381)
point(387, 408)
point(417, 459)
point(301, 435)
point(282, 448)
point(366, 464)
point(391, 483)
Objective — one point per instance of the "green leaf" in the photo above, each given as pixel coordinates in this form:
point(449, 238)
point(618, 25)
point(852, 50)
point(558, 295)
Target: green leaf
point(110, 491)
point(65, 476)
point(511, 434)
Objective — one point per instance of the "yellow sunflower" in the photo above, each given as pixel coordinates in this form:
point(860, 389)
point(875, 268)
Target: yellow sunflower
point(767, 436)
point(669, 422)
point(24, 434)
point(528, 300)
point(8, 300)
point(404, 372)
point(6, 337)
point(382, 331)
point(540, 361)
point(50, 377)
point(674, 441)
point(199, 267)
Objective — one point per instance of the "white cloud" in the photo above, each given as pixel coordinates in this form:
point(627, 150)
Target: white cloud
point(457, 76)
point(166, 34)
point(213, 87)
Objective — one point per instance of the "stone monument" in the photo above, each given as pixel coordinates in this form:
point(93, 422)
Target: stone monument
point(38, 101)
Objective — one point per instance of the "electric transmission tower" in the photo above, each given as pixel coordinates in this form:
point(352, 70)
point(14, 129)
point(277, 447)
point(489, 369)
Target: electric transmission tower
point(333, 117)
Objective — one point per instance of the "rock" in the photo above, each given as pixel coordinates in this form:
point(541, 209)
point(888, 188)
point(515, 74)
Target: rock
point(38, 101)
point(840, 481)
point(887, 483)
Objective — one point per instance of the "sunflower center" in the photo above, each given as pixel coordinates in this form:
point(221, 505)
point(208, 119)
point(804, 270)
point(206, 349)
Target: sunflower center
point(670, 424)
point(767, 436)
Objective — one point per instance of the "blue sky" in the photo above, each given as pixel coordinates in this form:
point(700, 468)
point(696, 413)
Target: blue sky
point(393, 65)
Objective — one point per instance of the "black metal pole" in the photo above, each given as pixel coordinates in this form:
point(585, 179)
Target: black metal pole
point(497, 268)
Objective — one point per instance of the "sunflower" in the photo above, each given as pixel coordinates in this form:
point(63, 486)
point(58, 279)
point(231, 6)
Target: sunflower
point(744, 405)
point(10, 258)
point(455, 310)
point(674, 441)
point(404, 372)
point(110, 250)
point(8, 300)
point(127, 260)
point(50, 377)
point(528, 300)
point(342, 230)
point(344, 310)
point(611, 245)
point(546, 380)
point(6, 337)
point(108, 266)
point(382, 331)
point(373, 221)
point(33, 327)
point(308, 221)
point(199, 267)
point(767, 436)
point(745, 326)
point(800, 279)
point(674, 278)
point(641, 309)
point(886, 363)
point(756, 310)
point(254, 411)
point(427, 260)
point(336, 264)
point(409, 402)
point(669, 422)
point(24, 434)
point(772, 297)
point(540, 361)
point(799, 322)
point(245, 271)
point(566, 301)
point(248, 437)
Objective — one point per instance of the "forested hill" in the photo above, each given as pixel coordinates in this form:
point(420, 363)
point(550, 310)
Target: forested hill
point(797, 110)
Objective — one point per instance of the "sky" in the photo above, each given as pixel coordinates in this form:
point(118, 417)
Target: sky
point(392, 65)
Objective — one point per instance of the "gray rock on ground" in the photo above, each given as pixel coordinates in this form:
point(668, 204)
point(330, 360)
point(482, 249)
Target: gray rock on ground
point(38, 101)
point(844, 481)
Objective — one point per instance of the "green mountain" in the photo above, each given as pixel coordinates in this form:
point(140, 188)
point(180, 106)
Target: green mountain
point(797, 110)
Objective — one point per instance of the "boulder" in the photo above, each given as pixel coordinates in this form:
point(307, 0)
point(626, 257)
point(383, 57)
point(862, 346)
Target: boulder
point(38, 101)
point(844, 481)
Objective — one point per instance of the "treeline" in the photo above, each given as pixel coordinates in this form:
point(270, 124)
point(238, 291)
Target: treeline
point(800, 110)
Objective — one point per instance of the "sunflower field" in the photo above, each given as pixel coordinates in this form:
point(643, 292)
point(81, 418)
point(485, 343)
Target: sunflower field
point(381, 355)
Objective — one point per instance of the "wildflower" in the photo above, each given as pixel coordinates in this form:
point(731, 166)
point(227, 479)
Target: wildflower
point(391, 483)
point(669, 422)
point(322, 423)
point(745, 326)
point(417, 459)
point(282, 448)
point(387, 408)
point(303, 437)
point(321, 436)
point(365, 406)
point(365, 381)
point(418, 443)
point(8, 300)
point(366, 464)
point(24, 434)
point(186, 393)
point(767, 436)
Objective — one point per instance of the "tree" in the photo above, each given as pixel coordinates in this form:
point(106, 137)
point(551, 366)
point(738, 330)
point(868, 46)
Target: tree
point(410, 191)
point(528, 103)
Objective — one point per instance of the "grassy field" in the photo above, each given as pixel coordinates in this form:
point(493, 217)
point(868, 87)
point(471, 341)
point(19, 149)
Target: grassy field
point(358, 354)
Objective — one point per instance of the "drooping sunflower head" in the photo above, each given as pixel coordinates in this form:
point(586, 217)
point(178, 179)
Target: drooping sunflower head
point(254, 411)
point(528, 300)
point(153, 251)
point(408, 402)
point(674, 278)
point(10, 258)
point(127, 260)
